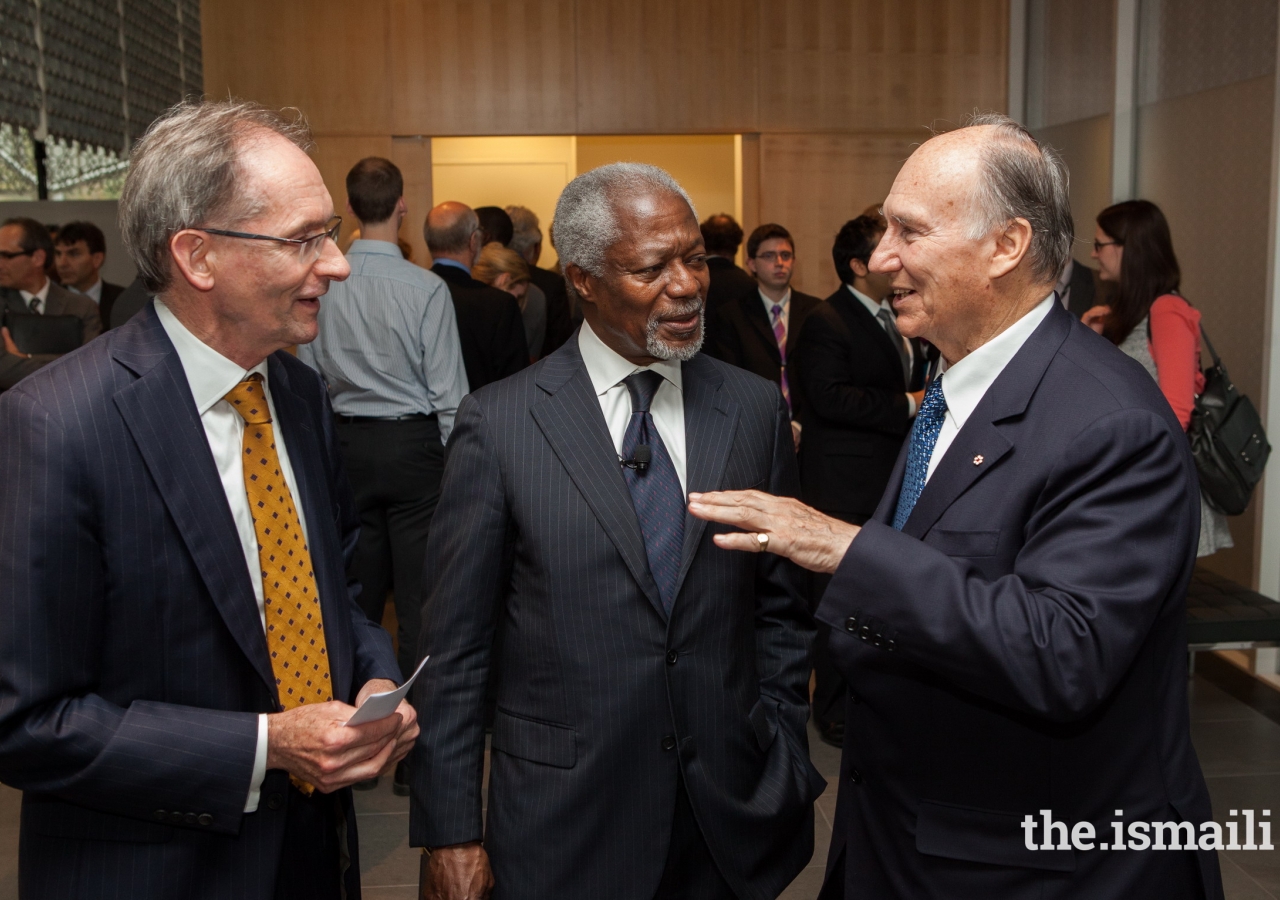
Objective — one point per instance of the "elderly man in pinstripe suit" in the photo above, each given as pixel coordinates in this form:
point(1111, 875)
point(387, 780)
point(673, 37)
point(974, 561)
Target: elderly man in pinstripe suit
point(649, 740)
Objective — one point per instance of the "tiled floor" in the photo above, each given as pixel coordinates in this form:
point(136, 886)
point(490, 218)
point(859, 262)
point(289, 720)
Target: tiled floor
point(1235, 726)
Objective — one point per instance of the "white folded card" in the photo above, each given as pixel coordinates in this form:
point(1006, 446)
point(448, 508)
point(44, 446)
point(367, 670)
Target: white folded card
point(379, 706)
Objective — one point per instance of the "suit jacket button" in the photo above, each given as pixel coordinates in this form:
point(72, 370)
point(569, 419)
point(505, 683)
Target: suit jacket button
point(669, 742)
point(672, 656)
point(891, 645)
point(176, 818)
point(275, 801)
point(851, 624)
point(878, 640)
point(855, 776)
point(191, 819)
point(205, 819)
point(865, 632)
point(160, 815)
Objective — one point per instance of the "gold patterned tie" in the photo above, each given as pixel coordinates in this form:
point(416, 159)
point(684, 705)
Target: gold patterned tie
point(291, 602)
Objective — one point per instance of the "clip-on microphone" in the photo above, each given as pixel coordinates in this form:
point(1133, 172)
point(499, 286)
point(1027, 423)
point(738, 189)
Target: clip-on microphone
point(639, 459)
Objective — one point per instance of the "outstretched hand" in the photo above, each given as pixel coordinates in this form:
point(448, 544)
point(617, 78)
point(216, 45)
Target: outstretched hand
point(798, 532)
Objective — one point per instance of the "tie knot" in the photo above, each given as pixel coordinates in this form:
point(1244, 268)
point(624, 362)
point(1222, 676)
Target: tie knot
point(642, 386)
point(249, 400)
point(777, 311)
point(934, 405)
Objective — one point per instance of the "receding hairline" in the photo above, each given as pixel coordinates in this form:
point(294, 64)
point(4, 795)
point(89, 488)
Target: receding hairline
point(252, 137)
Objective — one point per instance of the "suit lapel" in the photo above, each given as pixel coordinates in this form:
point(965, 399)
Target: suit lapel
point(710, 421)
point(574, 426)
point(753, 309)
point(161, 415)
point(317, 509)
point(982, 443)
point(858, 317)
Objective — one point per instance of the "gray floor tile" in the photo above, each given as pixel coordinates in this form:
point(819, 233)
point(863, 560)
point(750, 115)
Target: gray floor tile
point(1210, 703)
point(1245, 746)
point(806, 885)
point(1237, 884)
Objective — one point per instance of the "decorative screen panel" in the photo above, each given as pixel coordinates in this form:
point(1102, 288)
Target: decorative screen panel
point(19, 64)
point(153, 60)
point(192, 64)
point(83, 93)
point(1190, 45)
point(1071, 60)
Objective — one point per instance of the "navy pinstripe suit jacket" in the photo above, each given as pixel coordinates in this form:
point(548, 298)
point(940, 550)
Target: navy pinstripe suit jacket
point(601, 700)
point(132, 658)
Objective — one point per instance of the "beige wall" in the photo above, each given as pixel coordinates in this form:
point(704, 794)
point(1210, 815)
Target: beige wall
point(854, 81)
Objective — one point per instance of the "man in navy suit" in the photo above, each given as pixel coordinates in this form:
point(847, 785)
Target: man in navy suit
point(649, 738)
point(1010, 621)
point(181, 648)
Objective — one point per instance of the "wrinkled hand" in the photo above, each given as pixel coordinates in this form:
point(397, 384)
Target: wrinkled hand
point(314, 743)
point(460, 872)
point(408, 732)
point(10, 346)
point(801, 534)
point(795, 435)
point(1095, 316)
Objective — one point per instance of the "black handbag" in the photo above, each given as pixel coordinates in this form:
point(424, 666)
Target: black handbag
point(1227, 439)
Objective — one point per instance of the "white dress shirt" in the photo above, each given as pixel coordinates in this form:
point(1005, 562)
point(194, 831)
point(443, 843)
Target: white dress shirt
point(94, 293)
point(42, 295)
point(874, 308)
point(211, 376)
point(785, 303)
point(606, 370)
point(969, 380)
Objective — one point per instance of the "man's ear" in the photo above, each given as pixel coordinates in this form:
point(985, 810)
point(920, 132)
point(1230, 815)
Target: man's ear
point(751, 265)
point(39, 258)
point(1011, 247)
point(98, 259)
point(859, 267)
point(582, 281)
point(191, 253)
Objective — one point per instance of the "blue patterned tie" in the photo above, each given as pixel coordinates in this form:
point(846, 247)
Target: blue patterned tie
point(924, 435)
point(655, 492)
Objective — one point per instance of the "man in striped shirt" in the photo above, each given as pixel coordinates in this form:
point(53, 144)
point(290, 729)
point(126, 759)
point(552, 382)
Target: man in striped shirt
point(388, 350)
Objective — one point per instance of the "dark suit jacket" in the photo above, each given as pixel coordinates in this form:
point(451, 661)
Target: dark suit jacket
point(728, 282)
point(1083, 290)
point(133, 663)
point(560, 324)
point(129, 303)
point(490, 328)
point(107, 300)
point(740, 332)
point(856, 412)
point(59, 302)
point(601, 701)
point(1004, 659)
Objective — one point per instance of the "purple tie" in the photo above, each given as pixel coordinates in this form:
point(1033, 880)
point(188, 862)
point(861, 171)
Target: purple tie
point(780, 335)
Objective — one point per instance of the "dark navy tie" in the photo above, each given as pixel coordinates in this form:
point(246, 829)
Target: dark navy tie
point(655, 491)
point(924, 436)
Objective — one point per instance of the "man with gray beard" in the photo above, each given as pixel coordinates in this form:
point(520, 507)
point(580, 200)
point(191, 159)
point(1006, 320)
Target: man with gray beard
point(649, 740)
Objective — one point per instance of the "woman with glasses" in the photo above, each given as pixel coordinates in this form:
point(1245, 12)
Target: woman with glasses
point(1149, 321)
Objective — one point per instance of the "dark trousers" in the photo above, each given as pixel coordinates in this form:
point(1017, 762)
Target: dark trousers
point(690, 873)
point(311, 855)
point(829, 688)
point(395, 470)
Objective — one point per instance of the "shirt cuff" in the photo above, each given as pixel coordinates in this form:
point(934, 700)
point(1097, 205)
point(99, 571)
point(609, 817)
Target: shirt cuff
point(259, 766)
point(911, 407)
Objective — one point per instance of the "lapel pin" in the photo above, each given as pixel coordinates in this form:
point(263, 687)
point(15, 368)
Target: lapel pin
point(977, 460)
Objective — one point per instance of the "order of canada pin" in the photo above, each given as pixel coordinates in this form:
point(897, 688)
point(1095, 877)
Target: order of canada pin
point(977, 460)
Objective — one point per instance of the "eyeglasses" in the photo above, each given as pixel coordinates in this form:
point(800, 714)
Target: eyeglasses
point(308, 247)
point(778, 256)
point(1098, 245)
point(5, 254)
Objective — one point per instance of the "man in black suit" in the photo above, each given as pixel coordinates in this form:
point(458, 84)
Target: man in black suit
point(182, 649)
point(856, 373)
point(527, 241)
point(489, 323)
point(80, 249)
point(649, 739)
point(25, 287)
point(723, 236)
point(1077, 288)
point(758, 330)
point(1011, 621)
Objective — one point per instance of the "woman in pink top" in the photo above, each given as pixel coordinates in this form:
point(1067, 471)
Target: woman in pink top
point(1149, 321)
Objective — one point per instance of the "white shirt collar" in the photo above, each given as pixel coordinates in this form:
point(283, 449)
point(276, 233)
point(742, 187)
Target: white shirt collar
point(210, 374)
point(43, 294)
point(872, 306)
point(606, 368)
point(94, 291)
point(769, 302)
point(969, 380)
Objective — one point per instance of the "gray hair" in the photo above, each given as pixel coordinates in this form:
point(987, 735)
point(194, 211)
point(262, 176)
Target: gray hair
point(527, 234)
point(1023, 178)
point(586, 222)
point(454, 234)
point(186, 172)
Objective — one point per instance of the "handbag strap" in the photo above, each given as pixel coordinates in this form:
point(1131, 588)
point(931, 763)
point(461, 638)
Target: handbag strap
point(1204, 336)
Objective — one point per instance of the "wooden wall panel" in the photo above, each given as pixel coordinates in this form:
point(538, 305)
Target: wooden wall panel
point(326, 57)
point(471, 67)
point(814, 183)
point(336, 154)
point(862, 65)
point(666, 66)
